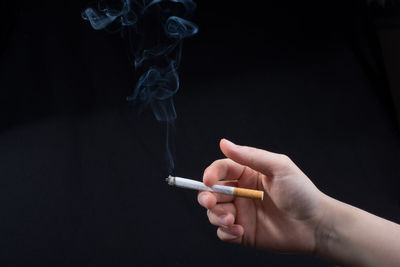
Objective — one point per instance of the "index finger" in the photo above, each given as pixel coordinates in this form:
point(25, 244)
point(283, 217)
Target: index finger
point(222, 169)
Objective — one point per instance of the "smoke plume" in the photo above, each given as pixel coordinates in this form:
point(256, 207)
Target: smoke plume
point(155, 30)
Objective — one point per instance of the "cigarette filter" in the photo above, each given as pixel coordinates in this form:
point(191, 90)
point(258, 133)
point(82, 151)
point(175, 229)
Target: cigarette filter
point(222, 189)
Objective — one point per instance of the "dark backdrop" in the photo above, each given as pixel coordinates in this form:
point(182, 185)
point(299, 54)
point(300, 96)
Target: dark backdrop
point(82, 173)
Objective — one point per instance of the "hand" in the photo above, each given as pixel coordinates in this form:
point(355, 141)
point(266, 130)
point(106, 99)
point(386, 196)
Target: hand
point(286, 220)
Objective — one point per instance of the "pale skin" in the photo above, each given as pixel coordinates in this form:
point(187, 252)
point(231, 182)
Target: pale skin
point(294, 217)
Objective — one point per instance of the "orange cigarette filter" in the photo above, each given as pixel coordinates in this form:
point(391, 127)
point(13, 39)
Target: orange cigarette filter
point(249, 193)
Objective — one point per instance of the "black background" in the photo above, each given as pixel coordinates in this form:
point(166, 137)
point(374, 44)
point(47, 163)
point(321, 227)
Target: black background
point(82, 173)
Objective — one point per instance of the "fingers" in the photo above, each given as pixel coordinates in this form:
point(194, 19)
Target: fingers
point(232, 233)
point(260, 160)
point(222, 214)
point(209, 200)
point(223, 169)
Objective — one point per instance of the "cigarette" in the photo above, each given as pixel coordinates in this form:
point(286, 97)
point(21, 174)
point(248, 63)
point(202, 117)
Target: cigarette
point(222, 189)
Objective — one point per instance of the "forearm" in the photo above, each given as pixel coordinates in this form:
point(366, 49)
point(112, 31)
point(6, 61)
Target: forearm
point(349, 236)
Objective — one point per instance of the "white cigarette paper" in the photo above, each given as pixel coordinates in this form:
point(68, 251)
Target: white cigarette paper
point(222, 189)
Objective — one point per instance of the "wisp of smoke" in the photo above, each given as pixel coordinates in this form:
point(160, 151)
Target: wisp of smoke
point(155, 30)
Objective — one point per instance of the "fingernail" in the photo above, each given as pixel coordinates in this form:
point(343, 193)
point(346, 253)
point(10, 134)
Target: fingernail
point(223, 220)
point(232, 231)
point(203, 200)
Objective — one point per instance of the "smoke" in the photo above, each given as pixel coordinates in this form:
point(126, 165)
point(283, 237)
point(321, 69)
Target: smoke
point(155, 30)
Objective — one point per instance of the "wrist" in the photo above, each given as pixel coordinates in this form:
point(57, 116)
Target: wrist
point(350, 236)
point(333, 212)
point(333, 233)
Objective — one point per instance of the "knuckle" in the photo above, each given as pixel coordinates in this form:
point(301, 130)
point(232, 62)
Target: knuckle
point(220, 165)
point(219, 161)
point(214, 171)
point(206, 170)
point(284, 159)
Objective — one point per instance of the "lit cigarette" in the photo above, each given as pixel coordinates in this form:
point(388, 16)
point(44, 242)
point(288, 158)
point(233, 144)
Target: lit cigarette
point(222, 189)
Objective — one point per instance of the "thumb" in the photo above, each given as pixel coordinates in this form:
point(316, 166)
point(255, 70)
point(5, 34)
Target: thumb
point(260, 160)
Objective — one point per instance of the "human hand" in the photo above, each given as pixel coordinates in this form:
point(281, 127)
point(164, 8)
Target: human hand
point(285, 221)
